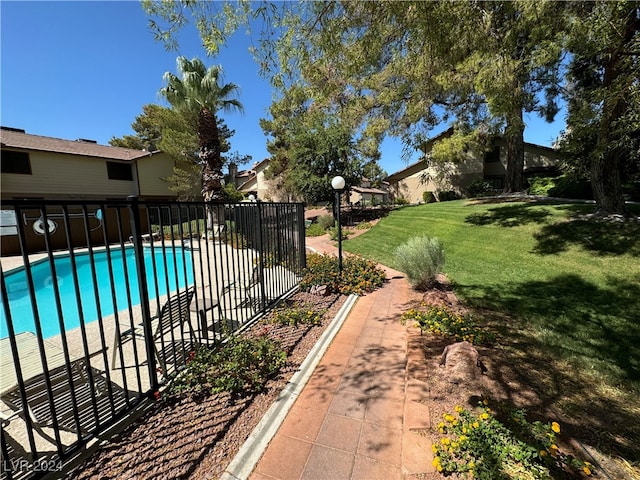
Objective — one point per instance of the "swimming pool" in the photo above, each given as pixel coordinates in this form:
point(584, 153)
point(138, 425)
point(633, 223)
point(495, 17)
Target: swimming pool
point(20, 300)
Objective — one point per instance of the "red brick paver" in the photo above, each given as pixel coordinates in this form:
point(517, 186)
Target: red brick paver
point(357, 417)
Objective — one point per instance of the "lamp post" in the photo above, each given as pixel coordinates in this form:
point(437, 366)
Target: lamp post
point(338, 185)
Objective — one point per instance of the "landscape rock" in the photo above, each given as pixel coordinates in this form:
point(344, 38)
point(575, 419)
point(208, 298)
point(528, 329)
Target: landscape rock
point(461, 362)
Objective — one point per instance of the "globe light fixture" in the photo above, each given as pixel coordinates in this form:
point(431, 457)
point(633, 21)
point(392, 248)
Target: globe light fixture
point(338, 184)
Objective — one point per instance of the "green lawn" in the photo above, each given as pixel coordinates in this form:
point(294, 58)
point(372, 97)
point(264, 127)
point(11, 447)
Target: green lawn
point(569, 287)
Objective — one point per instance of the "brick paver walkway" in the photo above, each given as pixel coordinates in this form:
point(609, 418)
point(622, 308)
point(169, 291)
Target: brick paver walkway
point(360, 414)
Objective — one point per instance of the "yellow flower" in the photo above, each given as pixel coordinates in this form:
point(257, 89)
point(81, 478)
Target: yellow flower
point(543, 453)
point(434, 448)
point(553, 450)
point(448, 417)
point(458, 408)
point(586, 470)
point(555, 427)
point(445, 441)
point(484, 416)
point(436, 462)
point(476, 425)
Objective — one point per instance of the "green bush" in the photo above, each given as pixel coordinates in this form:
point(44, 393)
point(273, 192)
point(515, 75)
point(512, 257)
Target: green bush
point(421, 258)
point(428, 197)
point(359, 275)
point(564, 186)
point(240, 366)
point(326, 221)
point(333, 233)
point(401, 201)
point(447, 196)
point(314, 230)
point(442, 321)
point(479, 188)
point(297, 315)
point(569, 187)
point(541, 185)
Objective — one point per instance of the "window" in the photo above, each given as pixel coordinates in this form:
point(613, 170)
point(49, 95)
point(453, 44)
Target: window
point(492, 156)
point(119, 171)
point(15, 162)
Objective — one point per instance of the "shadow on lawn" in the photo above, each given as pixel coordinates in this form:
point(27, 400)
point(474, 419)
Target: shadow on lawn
point(605, 238)
point(596, 235)
point(577, 326)
point(510, 215)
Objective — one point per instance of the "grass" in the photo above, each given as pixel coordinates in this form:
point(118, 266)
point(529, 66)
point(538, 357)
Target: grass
point(565, 290)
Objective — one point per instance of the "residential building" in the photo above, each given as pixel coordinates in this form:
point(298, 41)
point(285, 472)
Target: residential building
point(366, 195)
point(413, 181)
point(33, 166)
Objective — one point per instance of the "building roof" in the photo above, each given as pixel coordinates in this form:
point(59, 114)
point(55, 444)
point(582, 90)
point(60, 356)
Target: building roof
point(376, 191)
point(14, 138)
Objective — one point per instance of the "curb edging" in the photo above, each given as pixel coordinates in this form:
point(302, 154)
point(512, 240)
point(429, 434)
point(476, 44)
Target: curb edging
point(251, 451)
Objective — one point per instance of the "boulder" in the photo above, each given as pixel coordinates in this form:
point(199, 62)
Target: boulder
point(461, 362)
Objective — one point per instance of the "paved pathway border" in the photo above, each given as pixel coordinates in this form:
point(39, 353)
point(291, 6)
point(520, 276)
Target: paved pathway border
point(249, 454)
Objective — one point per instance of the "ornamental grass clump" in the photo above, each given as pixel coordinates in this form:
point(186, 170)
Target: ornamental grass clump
point(483, 447)
point(445, 322)
point(421, 258)
point(359, 276)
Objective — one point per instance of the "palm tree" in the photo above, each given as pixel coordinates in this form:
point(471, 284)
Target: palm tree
point(200, 93)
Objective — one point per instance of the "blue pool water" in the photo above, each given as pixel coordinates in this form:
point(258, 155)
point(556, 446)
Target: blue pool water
point(20, 300)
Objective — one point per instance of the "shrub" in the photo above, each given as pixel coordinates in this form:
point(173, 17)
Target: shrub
point(569, 187)
point(486, 448)
point(314, 230)
point(297, 315)
point(333, 233)
point(540, 186)
point(359, 276)
point(364, 226)
point(479, 188)
point(442, 321)
point(401, 201)
point(428, 197)
point(421, 258)
point(240, 366)
point(326, 221)
point(564, 186)
point(447, 196)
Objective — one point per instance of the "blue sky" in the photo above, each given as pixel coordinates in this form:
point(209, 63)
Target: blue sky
point(85, 69)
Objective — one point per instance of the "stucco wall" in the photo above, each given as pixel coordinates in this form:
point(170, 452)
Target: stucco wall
point(151, 171)
point(56, 175)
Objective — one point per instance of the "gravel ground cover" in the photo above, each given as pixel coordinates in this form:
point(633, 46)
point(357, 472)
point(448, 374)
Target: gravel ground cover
point(198, 438)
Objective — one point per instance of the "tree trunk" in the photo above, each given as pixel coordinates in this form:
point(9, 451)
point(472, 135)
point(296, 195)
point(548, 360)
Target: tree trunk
point(514, 178)
point(606, 184)
point(209, 143)
point(606, 180)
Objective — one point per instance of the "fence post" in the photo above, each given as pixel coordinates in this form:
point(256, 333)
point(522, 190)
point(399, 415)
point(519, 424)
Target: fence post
point(134, 214)
point(302, 236)
point(261, 255)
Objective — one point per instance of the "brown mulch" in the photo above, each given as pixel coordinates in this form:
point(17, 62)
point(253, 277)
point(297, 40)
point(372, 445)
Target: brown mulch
point(197, 438)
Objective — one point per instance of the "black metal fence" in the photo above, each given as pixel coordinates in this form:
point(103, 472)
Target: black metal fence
point(107, 300)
